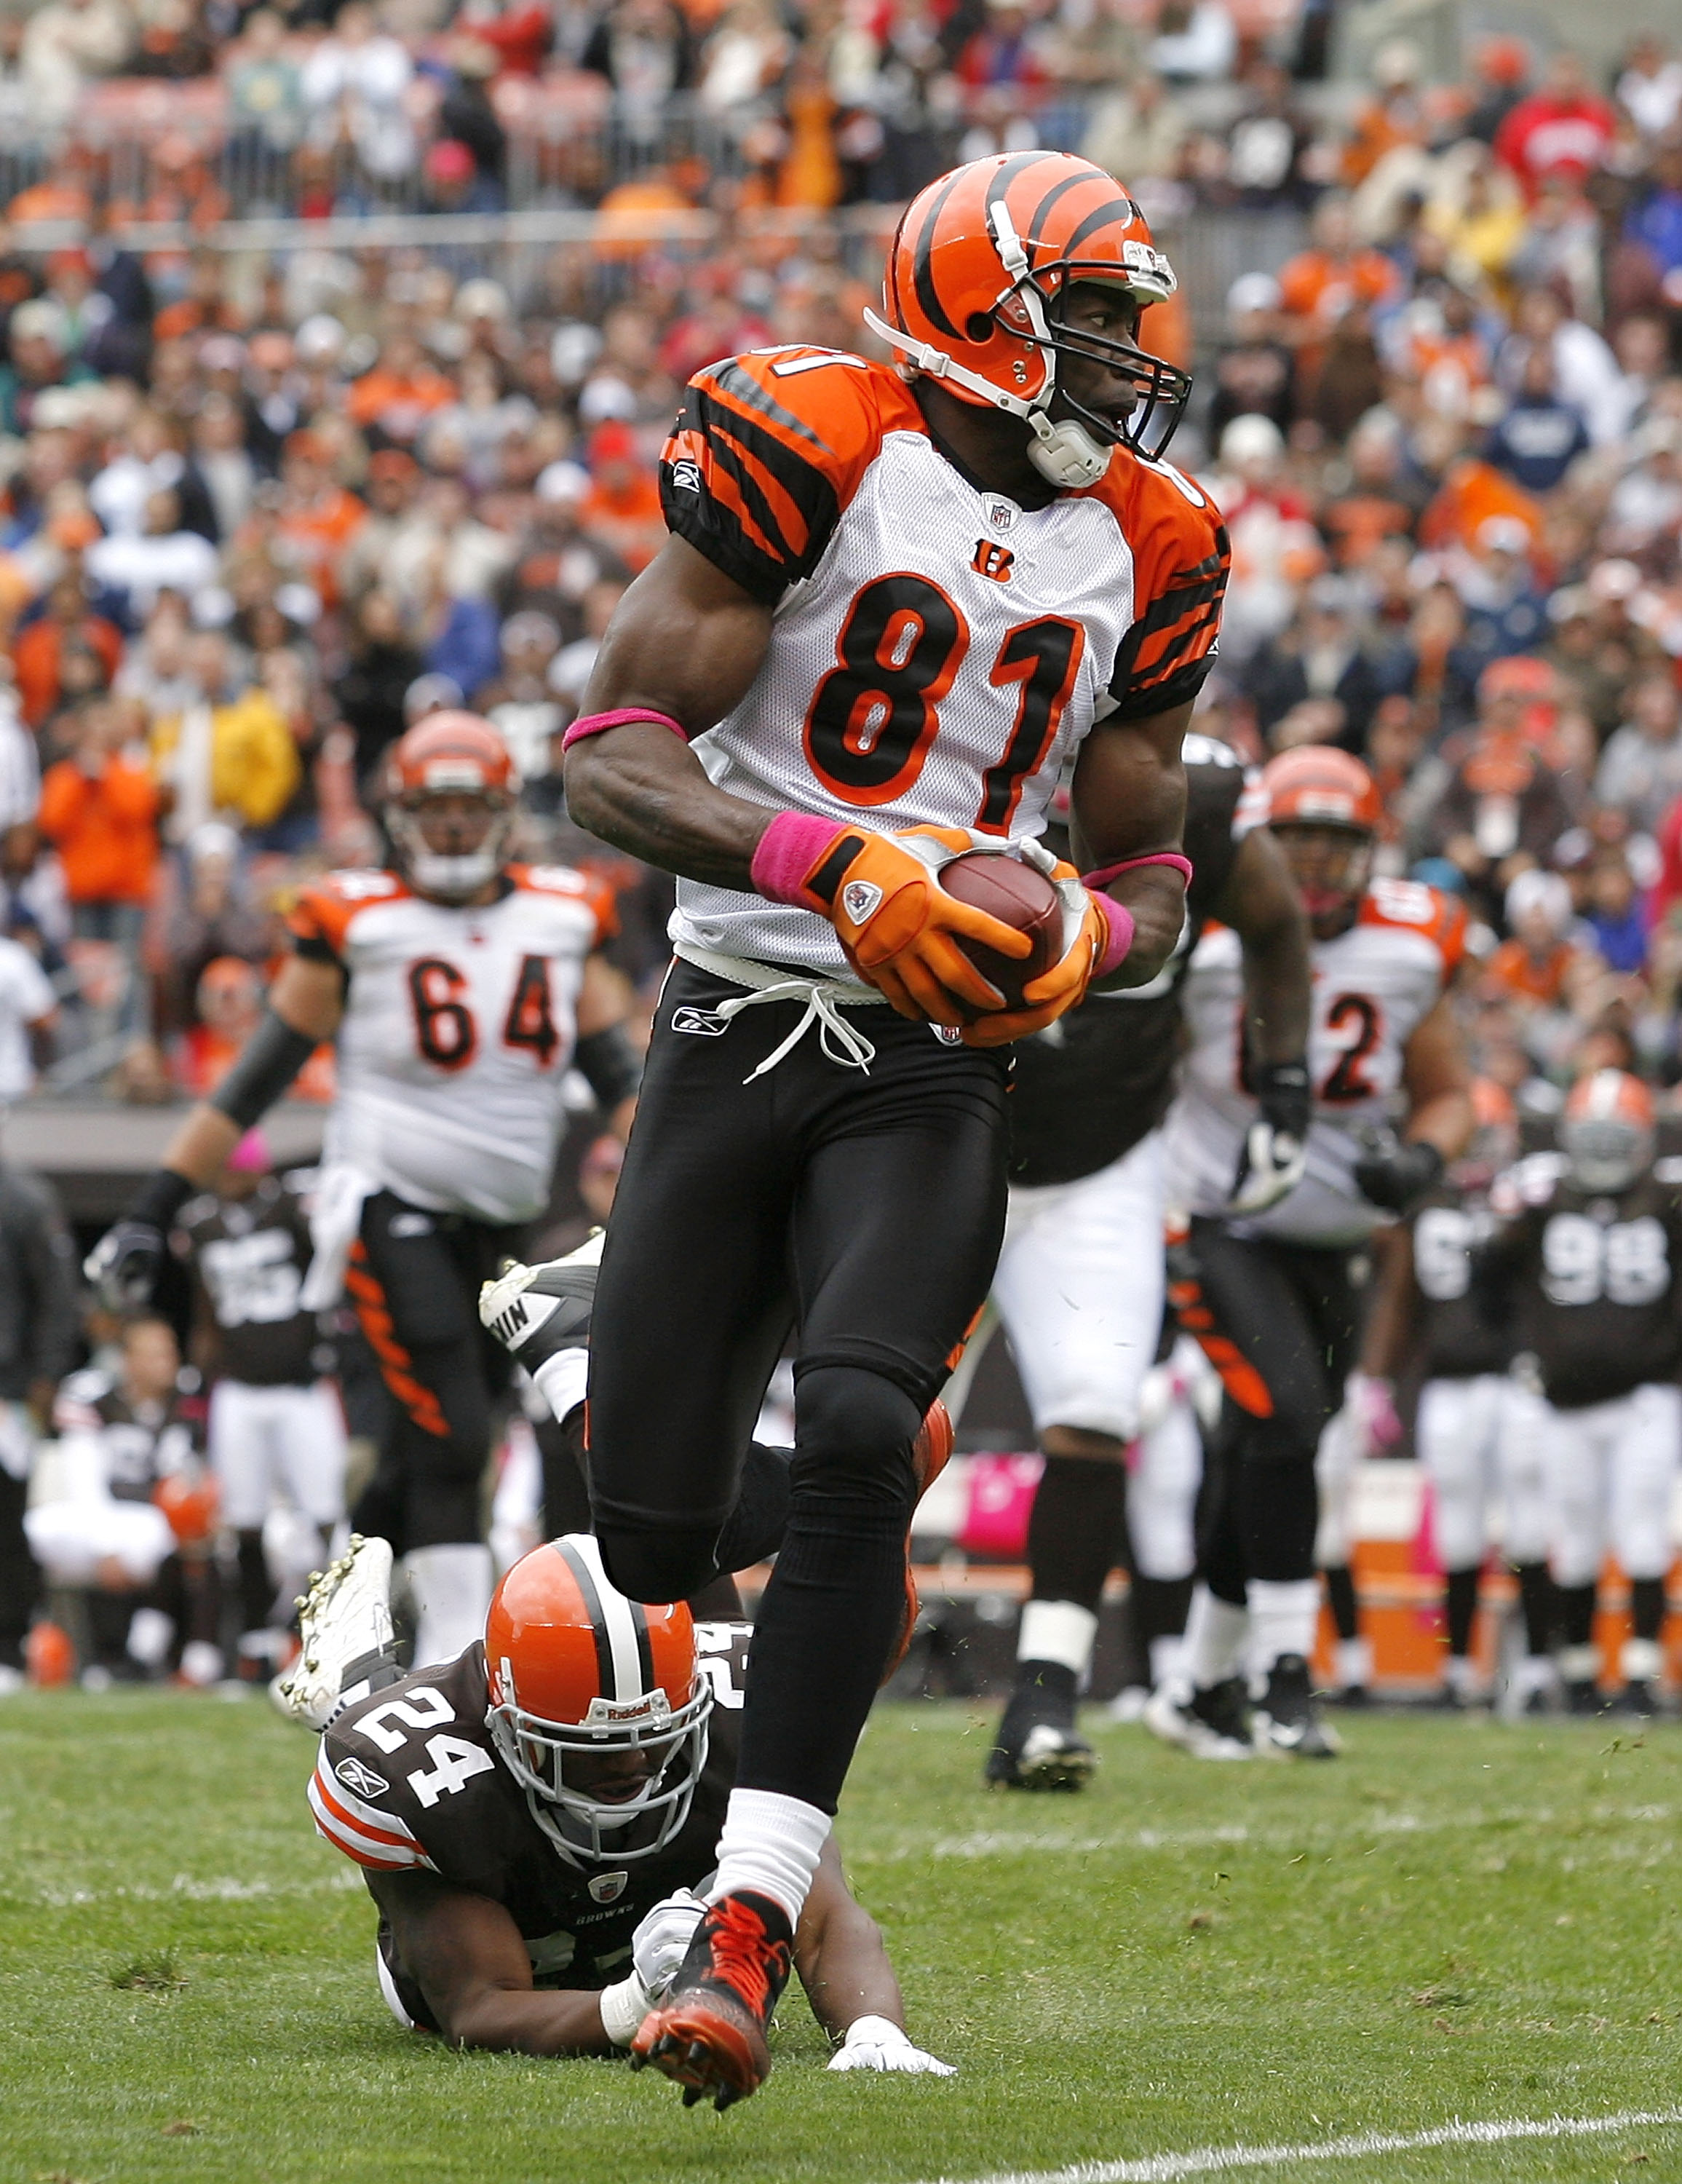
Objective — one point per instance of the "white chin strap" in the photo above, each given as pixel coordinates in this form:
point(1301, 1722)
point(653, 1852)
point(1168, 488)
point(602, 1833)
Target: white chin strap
point(1065, 454)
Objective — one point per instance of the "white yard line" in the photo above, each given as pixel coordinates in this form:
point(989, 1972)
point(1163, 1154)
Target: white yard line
point(224, 1889)
point(1002, 1842)
point(1218, 2161)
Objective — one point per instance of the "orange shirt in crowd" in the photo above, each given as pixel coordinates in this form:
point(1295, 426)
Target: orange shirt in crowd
point(1472, 491)
point(318, 533)
point(35, 657)
point(105, 830)
point(399, 403)
point(1514, 972)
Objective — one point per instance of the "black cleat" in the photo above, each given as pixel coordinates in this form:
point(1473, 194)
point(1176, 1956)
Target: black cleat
point(1211, 1723)
point(1638, 1699)
point(1583, 1696)
point(537, 1312)
point(1038, 1745)
point(1287, 1723)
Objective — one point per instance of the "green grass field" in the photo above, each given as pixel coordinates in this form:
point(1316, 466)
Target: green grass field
point(1456, 1921)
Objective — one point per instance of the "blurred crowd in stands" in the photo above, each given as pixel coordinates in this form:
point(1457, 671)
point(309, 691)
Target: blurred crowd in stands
point(258, 509)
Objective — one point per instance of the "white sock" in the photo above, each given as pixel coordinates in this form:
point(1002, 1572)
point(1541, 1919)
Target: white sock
point(561, 1381)
point(1215, 1632)
point(1460, 1675)
point(1285, 1616)
point(1353, 1664)
point(1057, 1630)
point(1640, 1661)
point(451, 1586)
point(771, 1844)
point(1168, 1660)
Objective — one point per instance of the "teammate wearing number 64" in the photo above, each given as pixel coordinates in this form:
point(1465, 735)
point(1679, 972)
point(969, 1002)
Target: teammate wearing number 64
point(461, 986)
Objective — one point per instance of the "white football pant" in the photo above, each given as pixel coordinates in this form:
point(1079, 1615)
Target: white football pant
point(1480, 1441)
point(1079, 1290)
point(1611, 1473)
point(270, 1443)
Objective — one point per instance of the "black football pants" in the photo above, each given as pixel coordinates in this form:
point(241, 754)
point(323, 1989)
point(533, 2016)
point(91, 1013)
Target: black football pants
point(864, 1209)
point(1281, 1322)
point(414, 1278)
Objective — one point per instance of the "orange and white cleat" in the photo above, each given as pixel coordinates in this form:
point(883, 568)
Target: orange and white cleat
point(709, 2034)
point(931, 1453)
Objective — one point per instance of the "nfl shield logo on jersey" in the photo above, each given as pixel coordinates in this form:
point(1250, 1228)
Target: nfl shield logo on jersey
point(860, 898)
point(608, 1887)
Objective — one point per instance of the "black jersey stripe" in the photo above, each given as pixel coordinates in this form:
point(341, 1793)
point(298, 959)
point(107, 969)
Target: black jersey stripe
point(742, 386)
point(922, 269)
point(584, 1577)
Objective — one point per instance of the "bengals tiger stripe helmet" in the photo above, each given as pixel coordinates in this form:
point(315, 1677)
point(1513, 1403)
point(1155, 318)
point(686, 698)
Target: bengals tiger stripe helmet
point(1316, 794)
point(973, 295)
point(452, 754)
point(598, 1707)
point(1607, 1132)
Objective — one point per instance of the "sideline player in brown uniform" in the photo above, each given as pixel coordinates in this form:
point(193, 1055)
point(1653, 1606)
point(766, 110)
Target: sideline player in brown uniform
point(1478, 1428)
point(895, 603)
point(1587, 1263)
point(275, 1432)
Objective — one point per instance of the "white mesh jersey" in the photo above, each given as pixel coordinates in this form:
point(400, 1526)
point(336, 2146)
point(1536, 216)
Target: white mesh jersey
point(459, 1028)
point(937, 652)
point(1373, 986)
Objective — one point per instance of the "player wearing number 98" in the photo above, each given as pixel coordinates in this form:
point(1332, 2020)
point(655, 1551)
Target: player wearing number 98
point(1275, 1297)
point(460, 986)
point(896, 601)
point(533, 1818)
point(1585, 1265)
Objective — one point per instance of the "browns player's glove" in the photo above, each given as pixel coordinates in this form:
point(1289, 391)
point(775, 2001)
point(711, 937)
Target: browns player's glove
point(661, 1941)
point(1276, 1146)
point(123, 1265)
point(883, 895)
point(1097, 934)
point(877, 2043)
point(1394, 1176)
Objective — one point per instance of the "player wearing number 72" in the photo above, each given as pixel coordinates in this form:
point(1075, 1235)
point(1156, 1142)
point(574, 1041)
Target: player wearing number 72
point(1276, 1298)
point(898, 602)
point(460, 987)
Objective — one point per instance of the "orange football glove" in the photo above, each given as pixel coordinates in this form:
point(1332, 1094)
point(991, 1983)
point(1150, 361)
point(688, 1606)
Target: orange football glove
point(1094, 927)
point(896, 923)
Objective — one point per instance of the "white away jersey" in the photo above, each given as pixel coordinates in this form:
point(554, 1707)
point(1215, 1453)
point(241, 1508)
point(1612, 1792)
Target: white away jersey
point(1373, 985)
point(937, 652)
point(458, 1031)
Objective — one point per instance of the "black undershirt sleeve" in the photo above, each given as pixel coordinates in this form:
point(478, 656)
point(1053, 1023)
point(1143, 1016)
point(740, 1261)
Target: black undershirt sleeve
point(609, 1065)
point(273, 1055)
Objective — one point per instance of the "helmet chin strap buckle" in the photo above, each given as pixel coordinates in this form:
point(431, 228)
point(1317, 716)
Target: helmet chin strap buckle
point(1065, 454)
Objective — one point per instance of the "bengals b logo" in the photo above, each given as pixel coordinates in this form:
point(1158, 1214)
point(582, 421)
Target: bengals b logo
point(993, 561)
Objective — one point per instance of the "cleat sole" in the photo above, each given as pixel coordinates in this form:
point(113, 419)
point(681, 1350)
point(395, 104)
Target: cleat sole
point(708, 2053)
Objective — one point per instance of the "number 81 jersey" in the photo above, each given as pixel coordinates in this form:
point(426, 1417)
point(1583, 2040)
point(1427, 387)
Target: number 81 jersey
point(937, 651)
point(1373, 985)
point(459, 1028)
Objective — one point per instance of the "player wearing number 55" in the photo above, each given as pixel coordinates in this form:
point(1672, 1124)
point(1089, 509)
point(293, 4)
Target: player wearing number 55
point(899, 601)
point(462, 987)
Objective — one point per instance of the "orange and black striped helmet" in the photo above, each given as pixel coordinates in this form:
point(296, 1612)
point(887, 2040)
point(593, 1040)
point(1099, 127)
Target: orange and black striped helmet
point(598, 1707)
point(974, 293)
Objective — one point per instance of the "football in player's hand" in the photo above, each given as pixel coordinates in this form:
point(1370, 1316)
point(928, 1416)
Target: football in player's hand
point(1018, 896)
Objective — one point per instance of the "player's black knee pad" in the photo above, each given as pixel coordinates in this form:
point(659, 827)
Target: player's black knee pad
point(656, 1566)
point(852, 1434)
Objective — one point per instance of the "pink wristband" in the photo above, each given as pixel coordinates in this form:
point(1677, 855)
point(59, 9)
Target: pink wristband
point(787, 849)
point(1119, 919)
point(1100, 880)
point(596, 724)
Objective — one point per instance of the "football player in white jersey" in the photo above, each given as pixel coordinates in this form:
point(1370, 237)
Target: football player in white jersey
point(1275, 1297)
point(460, 988)
point(896, 599)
